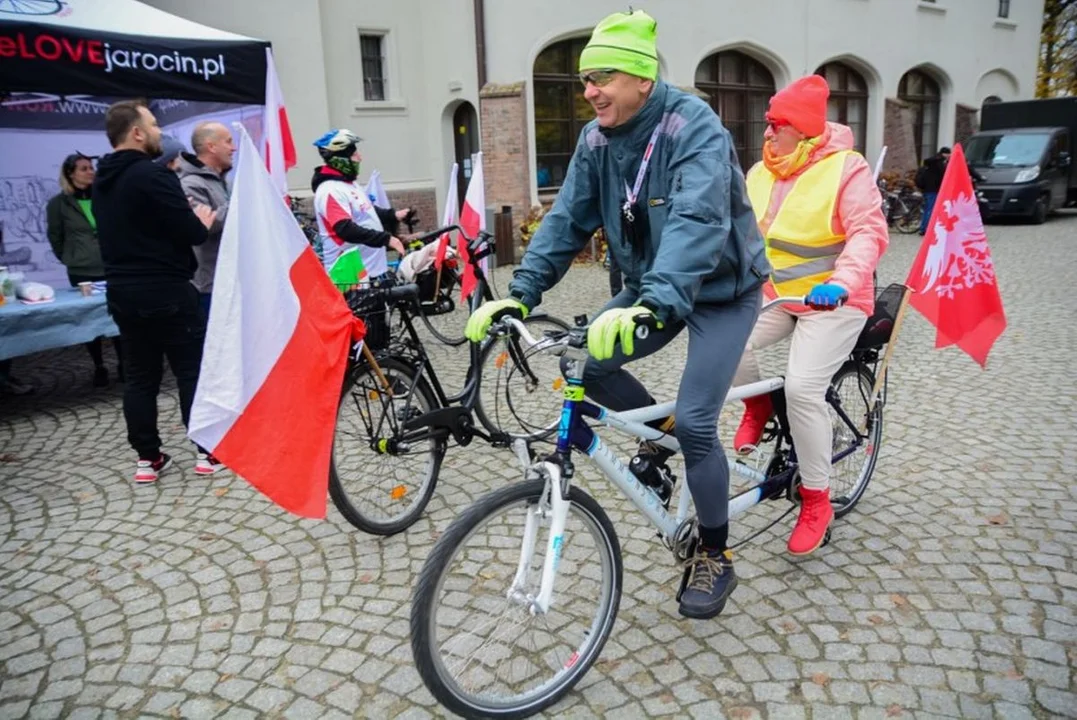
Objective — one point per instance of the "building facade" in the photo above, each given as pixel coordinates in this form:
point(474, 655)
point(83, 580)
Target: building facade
point(430, 82)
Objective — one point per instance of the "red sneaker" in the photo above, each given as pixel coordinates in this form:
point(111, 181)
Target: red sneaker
point(816, 514)
point(757, 411)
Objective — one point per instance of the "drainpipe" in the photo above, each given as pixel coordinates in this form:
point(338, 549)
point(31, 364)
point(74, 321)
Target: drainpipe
point(480, 41)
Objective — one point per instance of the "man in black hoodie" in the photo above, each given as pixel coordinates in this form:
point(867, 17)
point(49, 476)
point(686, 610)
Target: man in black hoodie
point(929, 180)
point(147, 228)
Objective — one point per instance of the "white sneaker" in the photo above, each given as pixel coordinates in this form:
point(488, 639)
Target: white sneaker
point(207, 465)
point(147, 471)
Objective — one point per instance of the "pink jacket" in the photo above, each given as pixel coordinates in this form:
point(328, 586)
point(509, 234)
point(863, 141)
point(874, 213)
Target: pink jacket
point(858, 216)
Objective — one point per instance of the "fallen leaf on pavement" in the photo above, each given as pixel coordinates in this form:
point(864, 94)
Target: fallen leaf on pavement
point(821, 679)
point(219, 492)
point(1000, 519)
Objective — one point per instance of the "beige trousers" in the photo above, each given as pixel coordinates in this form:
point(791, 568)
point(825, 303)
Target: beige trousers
point(821, 343)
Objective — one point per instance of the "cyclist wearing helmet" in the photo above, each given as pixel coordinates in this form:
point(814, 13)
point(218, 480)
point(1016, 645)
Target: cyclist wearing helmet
point(346, 218)
point(658, 171)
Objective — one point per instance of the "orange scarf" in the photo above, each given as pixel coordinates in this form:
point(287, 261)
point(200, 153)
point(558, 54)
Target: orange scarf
point(784, 166)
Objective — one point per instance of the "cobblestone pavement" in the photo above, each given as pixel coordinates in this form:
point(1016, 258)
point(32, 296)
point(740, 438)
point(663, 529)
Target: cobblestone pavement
point(951, 591)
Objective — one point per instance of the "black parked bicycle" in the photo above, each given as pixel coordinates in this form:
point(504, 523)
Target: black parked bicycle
point(395, 420)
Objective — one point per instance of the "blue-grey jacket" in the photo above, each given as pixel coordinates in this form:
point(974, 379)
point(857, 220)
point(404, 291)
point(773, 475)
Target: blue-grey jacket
point(700, 244)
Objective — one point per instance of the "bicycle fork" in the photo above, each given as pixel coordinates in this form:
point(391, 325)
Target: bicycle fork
point(557, 511)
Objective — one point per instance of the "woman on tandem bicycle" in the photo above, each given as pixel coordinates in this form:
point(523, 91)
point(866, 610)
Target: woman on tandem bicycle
point(819, 210)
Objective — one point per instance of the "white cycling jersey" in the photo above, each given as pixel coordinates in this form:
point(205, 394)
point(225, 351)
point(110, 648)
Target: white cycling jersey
point(337, 200)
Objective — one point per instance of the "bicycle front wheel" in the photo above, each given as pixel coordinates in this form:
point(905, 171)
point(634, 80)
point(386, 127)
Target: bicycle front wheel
point(909, 221)
point(381, 478)
point(520, 389)
point(849, 476)
point(478, 646)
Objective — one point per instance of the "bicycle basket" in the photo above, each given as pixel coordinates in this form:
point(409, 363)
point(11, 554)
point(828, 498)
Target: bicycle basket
point(880, 325)
point(431, 292)
point(369, 306)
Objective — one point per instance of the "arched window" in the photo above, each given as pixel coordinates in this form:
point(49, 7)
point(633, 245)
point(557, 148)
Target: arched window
point(920, 90)
point(991, 99)
point(848, 102)
point(560, 110)
point(739, 88)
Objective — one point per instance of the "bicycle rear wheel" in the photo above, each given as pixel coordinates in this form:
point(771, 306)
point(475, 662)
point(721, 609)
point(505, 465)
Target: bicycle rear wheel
point(379, 478)
point(520, 390)
point(849, 476)
point(529, 660)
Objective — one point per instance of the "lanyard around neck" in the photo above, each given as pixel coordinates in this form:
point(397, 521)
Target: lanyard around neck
point(631, 195)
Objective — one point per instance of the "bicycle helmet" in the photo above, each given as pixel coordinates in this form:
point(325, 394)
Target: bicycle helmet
point(337, 147)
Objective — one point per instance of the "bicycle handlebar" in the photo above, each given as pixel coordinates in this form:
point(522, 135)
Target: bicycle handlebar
point(643, 329)
point(427, 238)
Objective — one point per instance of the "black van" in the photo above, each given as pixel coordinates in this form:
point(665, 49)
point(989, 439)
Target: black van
point(1023, 155)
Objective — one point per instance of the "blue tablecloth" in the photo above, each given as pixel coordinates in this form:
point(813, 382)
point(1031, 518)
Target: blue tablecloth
point(70, 319)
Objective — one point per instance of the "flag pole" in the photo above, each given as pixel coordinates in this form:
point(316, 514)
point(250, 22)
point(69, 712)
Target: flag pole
point(437, 280)
point(369, 357)
point(898, 320)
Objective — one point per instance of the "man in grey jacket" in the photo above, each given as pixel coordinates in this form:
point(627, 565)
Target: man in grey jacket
point(202, 177)
point(658, 171)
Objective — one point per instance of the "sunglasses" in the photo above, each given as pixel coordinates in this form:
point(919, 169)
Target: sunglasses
point(776, 125)
point(598, 78)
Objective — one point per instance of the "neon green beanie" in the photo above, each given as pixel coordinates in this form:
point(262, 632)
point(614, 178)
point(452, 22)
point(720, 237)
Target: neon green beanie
point(623, 41)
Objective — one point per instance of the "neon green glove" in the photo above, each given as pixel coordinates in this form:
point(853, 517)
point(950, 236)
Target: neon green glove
point(613, 324)
point(480, 321)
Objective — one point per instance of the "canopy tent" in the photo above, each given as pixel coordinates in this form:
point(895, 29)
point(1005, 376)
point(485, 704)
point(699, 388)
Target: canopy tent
point(122, 47)
point(63, 63)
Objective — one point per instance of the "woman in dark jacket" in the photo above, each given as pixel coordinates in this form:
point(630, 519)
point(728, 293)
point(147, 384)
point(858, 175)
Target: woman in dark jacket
point(72, 233)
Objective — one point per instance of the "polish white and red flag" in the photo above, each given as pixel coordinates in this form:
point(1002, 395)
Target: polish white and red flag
point(276, 349)
point(278, 146)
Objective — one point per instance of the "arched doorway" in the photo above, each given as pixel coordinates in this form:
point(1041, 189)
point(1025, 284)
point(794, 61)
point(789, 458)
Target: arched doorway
point(921, 91)
point(848, 103)
point(465, 143)
point(739, 87)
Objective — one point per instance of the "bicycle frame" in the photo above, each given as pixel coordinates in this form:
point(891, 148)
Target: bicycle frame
point(575, 434)
point(448, 419)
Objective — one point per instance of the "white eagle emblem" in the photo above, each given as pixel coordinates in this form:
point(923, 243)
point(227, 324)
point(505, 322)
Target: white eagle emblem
point(959, 258)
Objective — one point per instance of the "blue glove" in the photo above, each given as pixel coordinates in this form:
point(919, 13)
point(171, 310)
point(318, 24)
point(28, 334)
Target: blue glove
point(827, 296)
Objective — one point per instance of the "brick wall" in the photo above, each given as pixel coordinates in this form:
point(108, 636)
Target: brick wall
point(423, 202)
point(966, 122)
point(505, 139)
point(899, 137)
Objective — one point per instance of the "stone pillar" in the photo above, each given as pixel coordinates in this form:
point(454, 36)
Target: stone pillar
point(899, 137)
point(966, 122)
point(505, 144)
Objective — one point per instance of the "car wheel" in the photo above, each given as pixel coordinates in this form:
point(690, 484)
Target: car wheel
point(1039, 210)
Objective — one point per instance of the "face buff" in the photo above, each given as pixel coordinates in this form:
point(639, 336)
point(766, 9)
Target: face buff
point(786, 165)
point(345, 166)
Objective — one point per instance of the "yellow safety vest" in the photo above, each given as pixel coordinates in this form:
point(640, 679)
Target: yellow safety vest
point(801, 244)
